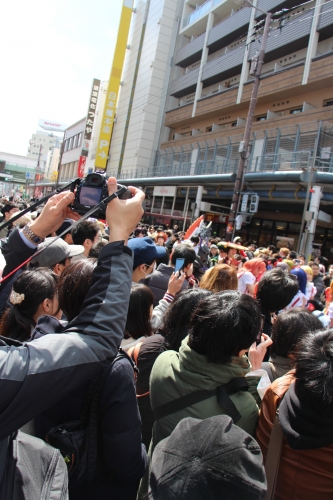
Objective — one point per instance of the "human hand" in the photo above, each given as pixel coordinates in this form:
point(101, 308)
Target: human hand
point(175, 283)
point(123, 216)
point(53, 214)
point(257, 352)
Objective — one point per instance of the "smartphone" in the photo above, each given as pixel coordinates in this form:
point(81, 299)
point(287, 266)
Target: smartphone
point(258, 339)
point(179, 264)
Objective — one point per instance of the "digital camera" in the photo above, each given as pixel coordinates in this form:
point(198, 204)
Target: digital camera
point(90, 191)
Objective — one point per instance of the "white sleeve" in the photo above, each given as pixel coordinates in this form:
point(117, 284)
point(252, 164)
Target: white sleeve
point(330, 311)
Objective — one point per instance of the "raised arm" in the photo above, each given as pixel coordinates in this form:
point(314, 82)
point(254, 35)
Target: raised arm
point(36, 375)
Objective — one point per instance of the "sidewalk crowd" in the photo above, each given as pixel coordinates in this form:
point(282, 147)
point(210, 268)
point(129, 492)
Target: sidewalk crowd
point(143, 362)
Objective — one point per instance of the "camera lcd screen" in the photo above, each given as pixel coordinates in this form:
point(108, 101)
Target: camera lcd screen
point(90, 196)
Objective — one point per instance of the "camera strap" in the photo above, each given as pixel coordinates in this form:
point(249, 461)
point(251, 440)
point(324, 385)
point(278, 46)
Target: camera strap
point(101, 204)
point(35, 205)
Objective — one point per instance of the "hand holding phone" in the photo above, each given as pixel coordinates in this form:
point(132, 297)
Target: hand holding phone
point(179, 265)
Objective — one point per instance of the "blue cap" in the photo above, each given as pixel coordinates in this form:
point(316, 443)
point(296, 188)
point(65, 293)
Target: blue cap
point(145, 251)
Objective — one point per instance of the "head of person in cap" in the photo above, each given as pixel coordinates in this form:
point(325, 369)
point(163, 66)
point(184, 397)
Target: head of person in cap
point(145, 254)
point(211, 458)
point(57, 256)
point(68, 236)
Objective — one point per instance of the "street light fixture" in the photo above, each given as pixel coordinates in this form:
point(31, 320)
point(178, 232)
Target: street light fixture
point(244, 147)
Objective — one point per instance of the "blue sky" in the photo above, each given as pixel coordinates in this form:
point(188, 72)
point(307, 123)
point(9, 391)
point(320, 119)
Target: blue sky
point(50, 50)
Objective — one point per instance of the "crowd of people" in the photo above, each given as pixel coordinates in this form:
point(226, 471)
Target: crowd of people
point(198, 368)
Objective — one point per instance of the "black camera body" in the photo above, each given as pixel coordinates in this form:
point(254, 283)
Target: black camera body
point(90, 191)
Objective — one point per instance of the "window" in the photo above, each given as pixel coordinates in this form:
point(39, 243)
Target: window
point(296, 111)
point(261, 118)
point(74, 141)
point(79, 139)
point(70, 142)
point(234, 124)
point(209, 129)
point(328, 102)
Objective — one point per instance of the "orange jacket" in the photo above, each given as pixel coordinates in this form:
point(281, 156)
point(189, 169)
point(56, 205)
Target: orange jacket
point(303, 474)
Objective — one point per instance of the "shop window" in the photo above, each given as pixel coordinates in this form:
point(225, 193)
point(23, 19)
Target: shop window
point(281, 226)
point(267, 224)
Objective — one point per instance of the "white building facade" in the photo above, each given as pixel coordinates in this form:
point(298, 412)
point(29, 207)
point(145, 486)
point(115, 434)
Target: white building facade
point(141, 103)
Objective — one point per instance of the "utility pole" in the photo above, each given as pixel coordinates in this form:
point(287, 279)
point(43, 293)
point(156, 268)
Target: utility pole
point(244, 148)
point(314, 208)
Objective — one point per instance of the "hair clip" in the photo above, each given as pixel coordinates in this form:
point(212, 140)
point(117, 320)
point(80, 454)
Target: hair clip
point(16, 298)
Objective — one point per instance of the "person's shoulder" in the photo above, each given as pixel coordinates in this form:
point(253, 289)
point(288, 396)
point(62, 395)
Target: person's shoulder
point(164, 360)
point(280, 386)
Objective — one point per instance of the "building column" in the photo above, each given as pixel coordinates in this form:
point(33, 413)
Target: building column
point(194, 159)
point(313, 42)
point(245, 66)
point(203, 61)
point(314, 208)
point(198, 201)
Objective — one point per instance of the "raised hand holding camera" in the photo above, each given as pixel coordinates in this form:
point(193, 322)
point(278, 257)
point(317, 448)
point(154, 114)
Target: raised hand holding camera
point(122, 215)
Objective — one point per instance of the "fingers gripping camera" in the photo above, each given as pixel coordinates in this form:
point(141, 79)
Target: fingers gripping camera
point(90, 191)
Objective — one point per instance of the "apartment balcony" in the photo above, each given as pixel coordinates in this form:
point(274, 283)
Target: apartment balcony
point(293, 36)
point(200, 12)
point(228, 30)
point(178, 115)
point(184, 85)
point(325, 21)
point(273, 5)
point(223, 67)
point(191, 52)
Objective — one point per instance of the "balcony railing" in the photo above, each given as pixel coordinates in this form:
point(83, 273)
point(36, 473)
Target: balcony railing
point(200, 11)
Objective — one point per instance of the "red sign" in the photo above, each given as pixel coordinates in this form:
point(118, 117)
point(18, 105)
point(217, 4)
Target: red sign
point(220, 219)
point(80, 167)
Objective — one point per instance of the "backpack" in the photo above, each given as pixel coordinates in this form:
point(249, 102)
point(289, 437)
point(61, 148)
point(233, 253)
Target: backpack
point(32, 468)
point(78, 440)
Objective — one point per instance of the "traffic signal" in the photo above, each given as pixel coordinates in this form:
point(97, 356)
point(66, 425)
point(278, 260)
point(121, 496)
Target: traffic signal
point(254, 203)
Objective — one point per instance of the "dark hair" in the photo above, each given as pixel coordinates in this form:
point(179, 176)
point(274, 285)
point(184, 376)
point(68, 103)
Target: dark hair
point(86, 229)
point(177, 318)
point(138, 316)
point(95, 249)
point(163, 260)
point(36, 285)
point(74, 284)
point(314, 371)
point(185, 252)
point(195, 239)
point(323, 261)
point(137, 231)
point(219, 278)
point(292, 255)
point(289, 328)
point(276, 289)
point(223, 325)
point(8, 207)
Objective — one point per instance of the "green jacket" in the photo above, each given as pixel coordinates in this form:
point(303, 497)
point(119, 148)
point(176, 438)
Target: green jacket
point(176, 374)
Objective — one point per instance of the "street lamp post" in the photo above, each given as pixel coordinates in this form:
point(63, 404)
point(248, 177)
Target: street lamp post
point(244, 145)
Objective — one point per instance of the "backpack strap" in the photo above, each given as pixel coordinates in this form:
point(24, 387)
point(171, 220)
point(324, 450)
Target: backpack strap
point(273, 457)
point(222, 393)
point(134, 352)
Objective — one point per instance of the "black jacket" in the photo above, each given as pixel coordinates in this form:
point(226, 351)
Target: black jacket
point(319, 284)
point(150, 349)
point(36, 375)
point(124, 458)
point(158, 282)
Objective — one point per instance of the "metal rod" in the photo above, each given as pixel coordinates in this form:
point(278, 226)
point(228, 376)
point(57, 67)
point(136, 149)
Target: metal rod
point(246, 149)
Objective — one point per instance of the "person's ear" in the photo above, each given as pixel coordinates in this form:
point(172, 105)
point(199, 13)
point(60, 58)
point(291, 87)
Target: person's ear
point(142, 268)
point(87, 243)
point(47, 306)
point(57, 269)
